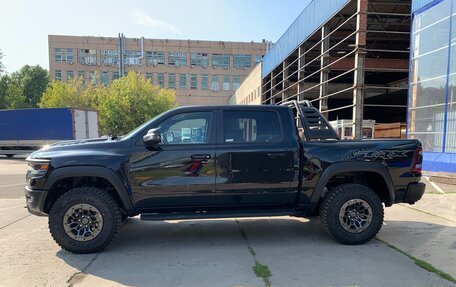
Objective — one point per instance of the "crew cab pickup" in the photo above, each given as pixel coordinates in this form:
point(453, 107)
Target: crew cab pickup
point(222, 162)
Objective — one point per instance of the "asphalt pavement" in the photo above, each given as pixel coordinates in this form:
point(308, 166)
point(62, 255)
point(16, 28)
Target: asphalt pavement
point(222, 252)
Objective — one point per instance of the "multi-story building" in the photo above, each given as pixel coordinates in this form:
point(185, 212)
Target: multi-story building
point(360, 60)
point(201, 72)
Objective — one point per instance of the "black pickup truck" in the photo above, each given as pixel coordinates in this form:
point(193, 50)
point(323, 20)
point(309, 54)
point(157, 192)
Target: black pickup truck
point(221, 162)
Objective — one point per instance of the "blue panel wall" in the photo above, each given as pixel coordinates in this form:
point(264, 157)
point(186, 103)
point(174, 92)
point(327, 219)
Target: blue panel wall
point(36, 124)
point(418, 4)
point(313, 16)
point(439, 161)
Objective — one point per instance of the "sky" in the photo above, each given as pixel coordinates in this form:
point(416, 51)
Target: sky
point(25, 24)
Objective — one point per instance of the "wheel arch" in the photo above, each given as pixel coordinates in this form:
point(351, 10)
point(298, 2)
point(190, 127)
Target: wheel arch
point(367, 171)
point(76, 176)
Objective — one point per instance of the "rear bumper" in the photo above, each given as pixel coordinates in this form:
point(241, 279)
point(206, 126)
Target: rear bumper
point(34, 200)
point(414, 192)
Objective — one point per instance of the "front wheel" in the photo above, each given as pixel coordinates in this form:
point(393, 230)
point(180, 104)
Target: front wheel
point(84, 220)
point(352, 213)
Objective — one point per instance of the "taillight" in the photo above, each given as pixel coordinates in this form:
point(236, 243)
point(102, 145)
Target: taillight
point(417, 165)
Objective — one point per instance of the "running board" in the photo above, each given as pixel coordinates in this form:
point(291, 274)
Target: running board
point(214, 214)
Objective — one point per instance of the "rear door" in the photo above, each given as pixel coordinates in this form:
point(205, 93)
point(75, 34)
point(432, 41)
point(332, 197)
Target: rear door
point(255, 163)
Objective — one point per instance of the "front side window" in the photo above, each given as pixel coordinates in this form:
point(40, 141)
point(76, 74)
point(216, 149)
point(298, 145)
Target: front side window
point(188, 128)
point(251, 127)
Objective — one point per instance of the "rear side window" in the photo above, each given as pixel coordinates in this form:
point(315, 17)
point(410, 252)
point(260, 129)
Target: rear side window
point(251, 127)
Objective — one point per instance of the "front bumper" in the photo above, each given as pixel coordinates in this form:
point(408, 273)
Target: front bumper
point(414, 192)
point(34, 200)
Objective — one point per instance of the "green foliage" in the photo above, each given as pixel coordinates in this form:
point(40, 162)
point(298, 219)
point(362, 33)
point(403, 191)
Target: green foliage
point(23, 89)
point(4, 82)
point(2, 66)
point(125, 104)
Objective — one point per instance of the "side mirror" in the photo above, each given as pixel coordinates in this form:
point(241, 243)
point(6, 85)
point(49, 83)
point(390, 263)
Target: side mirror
point(152, 137)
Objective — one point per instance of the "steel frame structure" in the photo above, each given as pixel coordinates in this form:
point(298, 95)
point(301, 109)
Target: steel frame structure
point(356, 61)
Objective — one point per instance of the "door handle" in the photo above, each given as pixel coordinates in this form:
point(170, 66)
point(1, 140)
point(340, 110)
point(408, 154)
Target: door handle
point(201, 156)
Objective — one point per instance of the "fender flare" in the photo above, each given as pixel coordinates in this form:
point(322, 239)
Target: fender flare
point(95, 171)
point(343, 167)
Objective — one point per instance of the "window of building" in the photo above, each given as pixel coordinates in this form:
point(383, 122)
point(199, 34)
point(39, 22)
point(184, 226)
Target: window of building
point(132, 57)
point(193, 82)
point(221, 60)
point(150, 77)
point(58, 75)
point(104, 78)
point(177, 58)
point(187, 128)
point(204, 82)
point(63, 55)
point(70, 75)
point(161, 79)
point(251, 126)
point(109, 57)
point(183, 81)
point(226, 83)
point(172, 81)
point(81, 74)
point(199, 59)
point(428, 99)
point(115, 76)
point(236, 82)
point(92, 77)
point(242, 61)
point(155, 57)
point(257, 59)
point(215, 83)
point(87, 56)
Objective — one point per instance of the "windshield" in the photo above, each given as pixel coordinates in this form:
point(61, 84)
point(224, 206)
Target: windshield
point(134, 132)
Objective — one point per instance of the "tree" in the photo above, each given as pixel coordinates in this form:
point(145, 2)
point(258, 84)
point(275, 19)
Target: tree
point(125, 104)
point(32, 81)
point(2, 66)
point(4, 82)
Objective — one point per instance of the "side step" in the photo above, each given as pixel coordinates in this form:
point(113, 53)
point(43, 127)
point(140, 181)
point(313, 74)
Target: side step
point(216, 214)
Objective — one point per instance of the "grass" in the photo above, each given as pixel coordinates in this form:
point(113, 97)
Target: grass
point(260, 270)
point(423, 264)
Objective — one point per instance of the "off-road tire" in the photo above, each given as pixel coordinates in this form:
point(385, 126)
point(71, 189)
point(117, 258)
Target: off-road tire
point(334, 201)
point(105, 203)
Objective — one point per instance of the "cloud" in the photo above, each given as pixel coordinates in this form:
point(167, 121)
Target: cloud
point(142, 19)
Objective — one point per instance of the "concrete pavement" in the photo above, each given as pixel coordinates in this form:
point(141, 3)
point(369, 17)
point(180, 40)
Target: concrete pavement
point(214, 252)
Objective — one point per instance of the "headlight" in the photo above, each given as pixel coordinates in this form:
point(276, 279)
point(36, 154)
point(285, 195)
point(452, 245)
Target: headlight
point(37, 168)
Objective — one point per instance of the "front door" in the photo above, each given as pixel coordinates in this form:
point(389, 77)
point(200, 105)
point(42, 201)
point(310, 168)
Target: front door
point(179, 172)
point(255, 164)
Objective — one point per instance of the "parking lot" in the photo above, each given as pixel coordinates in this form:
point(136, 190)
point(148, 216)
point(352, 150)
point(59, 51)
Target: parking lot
point(222, 252)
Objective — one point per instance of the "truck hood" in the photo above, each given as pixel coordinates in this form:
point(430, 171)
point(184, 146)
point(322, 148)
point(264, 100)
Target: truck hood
point(86, 151)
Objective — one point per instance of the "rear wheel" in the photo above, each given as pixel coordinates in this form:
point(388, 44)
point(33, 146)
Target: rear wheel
point(84, 220)
point(352, 213)
point(9, 155)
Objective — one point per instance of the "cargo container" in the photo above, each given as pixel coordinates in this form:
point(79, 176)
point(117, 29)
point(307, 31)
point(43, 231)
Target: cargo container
point(23, 131)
